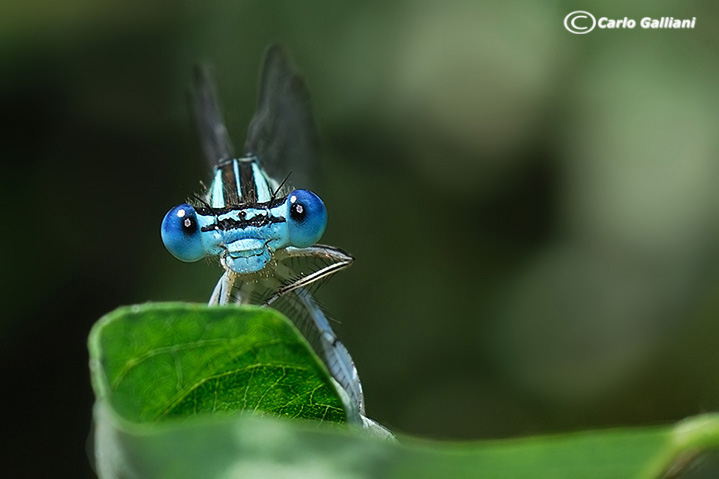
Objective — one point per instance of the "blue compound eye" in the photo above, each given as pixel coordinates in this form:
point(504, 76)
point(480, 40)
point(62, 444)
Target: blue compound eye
point(306, 218)
point(181, 234)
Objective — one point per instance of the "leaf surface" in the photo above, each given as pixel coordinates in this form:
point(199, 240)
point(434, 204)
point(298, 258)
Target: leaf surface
point(154, 363)
point(159, 361)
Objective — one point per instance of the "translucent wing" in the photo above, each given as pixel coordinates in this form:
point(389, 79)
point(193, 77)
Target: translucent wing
point(215, 141)
point(282, 133)
point(310, 319)
point(297, 272)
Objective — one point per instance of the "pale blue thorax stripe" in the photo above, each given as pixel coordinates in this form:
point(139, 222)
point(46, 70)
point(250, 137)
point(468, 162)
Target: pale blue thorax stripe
point(217, 197)
point(261, 184)
point(236, 171)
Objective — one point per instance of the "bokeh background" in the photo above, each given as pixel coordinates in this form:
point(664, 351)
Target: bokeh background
point(534, 214)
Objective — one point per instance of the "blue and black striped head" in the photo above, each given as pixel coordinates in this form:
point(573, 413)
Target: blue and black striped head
point(244, 236)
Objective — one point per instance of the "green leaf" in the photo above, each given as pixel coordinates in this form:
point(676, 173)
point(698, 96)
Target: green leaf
point(155, 362)
point(241, 446)
point(159, 361)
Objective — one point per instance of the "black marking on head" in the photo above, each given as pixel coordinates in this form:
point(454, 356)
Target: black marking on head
point(208, 210)
point(231, 223)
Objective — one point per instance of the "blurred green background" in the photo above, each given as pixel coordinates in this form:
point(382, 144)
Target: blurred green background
point(533, 213)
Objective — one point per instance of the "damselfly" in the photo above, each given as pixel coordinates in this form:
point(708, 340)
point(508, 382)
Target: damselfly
point(262, 231)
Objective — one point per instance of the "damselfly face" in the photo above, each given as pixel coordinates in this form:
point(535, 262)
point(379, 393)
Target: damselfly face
point(244, 236)
point(263, 232)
